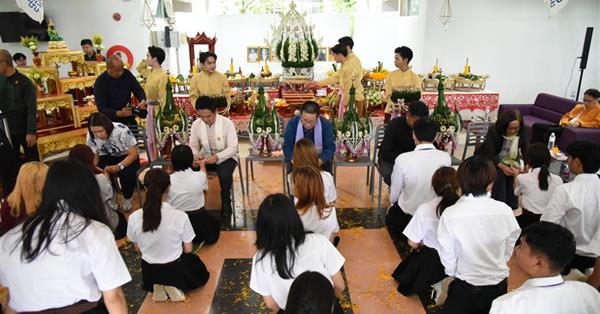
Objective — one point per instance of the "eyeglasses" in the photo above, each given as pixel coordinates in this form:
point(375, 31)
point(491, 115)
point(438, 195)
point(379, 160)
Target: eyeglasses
point(306, 122)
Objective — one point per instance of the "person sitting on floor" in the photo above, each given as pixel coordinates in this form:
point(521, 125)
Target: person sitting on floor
point(505, 143)
point(305, 155)
point(411, 177)
point(317, 215)
point(310, 293)
point(116, 219)
point(164, 237)
point(536, 186)
point(545, 249)
point(586, 115)
point(63, 258)
point(397, 138)
point(575, 205)
point(476, 238)
point(187, 194)
point(423, 268)
point(285, 250)
point(116, 150)
point(214, 141)
point(25, 198)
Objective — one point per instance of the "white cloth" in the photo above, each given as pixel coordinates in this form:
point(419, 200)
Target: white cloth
point(549, 295)
point(411, 177)
point(313, 222)
point(226, 139)
point(328, 186)
point(64, 273)
point(33, 8)
point(164, 244)
point(576, 206)
point(423, 225)
point(117, 144)
point(109, 199)
point(187, 189)
point(534, 199)
point(315, 254)
point(477, 237)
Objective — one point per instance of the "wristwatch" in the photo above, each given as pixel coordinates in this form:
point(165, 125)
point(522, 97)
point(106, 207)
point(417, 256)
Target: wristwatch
point(121, 167)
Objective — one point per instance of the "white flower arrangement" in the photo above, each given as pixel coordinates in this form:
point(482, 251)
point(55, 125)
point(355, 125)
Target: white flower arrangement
point(175, 128)
point(443, 129)
point(259, 130)
point(303, 51)
point(269, 129)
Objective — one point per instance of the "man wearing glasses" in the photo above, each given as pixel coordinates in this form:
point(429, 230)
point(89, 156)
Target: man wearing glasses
point(312, 126)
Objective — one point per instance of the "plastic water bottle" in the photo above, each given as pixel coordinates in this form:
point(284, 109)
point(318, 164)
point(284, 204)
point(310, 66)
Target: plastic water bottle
point(551, 141)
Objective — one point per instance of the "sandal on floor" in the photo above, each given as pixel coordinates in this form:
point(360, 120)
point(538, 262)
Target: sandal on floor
point(175, 294)
point(159, 294)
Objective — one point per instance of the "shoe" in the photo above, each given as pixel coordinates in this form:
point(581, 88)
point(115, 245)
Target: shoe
point(175, 294)
point(196, 247)
point(226, 209)
point(159, 294)
point(336, 241)
point(127, 205)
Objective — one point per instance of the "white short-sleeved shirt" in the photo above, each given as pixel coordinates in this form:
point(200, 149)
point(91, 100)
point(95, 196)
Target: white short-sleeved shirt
point(187, 189)
point(117, 144)
point(328, 187)
point(549, 295)
point(534, 199)
point(315, 254)
point(477, 236)
point(164, 244)
point(423, 225)
point(63, 274)
point(313, 222)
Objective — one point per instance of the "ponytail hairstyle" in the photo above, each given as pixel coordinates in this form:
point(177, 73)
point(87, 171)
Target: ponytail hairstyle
point(445, 184)
point(538, 156)
point(308, 187)
point(157, 182)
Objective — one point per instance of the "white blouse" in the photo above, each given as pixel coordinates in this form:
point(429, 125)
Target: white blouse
point(187, 189)
point(423, 225)
point(326, 226)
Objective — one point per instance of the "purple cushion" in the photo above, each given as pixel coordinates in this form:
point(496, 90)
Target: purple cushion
point(546, 114)
point(554, 103)
point(529, 121)
point(570, 135)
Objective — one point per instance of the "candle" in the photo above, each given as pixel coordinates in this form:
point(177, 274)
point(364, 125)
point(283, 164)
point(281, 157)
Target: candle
point(267, 67)
point(435, 67)
point(467, 68)
point(231, 68)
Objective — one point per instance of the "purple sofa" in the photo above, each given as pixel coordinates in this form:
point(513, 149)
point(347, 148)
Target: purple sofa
point(549, 109)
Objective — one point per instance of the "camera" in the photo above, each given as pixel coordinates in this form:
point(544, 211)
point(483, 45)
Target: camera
point(142, 113)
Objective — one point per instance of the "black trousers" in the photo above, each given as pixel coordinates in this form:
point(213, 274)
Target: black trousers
point(396, 220)
point(503, 190)
point(225, 173)
point(386, 168)
point(127, 176)
point(206, 227)
point(541, 132)
point(579, 262)
point(527, 218)
point(9, 165)
point(465, 298)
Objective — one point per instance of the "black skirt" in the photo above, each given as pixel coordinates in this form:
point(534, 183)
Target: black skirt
point(419, 271)
point(206, 227)
point(187, 272)
point(121, 231)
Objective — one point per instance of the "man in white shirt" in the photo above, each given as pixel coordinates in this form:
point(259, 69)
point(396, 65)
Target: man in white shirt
point(213, 139)
point(476, 237)
point(544, 250)
point(576, 205)
point(411, 177)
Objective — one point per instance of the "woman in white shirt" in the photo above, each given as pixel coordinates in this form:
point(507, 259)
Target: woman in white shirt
point(116, 152)
point(305, 155)
point(187, 194)
point(66, 249)
point(422, 268)
point(535, 187)
point(284, 251)
point(164, 237)
point(116, 220)
point(316, 214)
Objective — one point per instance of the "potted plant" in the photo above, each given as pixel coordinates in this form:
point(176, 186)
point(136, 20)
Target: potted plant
point(31, 42)
point(97, 40)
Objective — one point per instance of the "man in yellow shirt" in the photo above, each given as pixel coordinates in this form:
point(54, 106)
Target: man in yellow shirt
point(349, 73)
point(210, 82)
point(586, 115)
point(156, 92)
point(402, 78)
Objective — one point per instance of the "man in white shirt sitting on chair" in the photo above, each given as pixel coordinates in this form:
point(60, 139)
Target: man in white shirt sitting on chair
point(213, 139)
point(544, 250)
point(411, 177)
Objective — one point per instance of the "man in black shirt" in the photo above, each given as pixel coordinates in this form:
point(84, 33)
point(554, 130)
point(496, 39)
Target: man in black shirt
point(113, 89)
point(88, 48)
point(398, 138)
point(19, 107)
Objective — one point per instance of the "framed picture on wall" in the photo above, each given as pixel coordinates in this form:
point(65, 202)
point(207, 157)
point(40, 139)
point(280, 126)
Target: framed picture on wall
point(253, 54)
point(322, 55)
point(265, 54)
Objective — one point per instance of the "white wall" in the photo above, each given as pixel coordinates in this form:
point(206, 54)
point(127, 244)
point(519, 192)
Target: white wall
point(515, 41)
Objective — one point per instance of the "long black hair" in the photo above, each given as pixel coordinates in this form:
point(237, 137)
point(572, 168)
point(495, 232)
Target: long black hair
point(538, 156)
point(445, 184)
point(70, 189)
point(279, 231)
point(311, 292)
point(157, 181)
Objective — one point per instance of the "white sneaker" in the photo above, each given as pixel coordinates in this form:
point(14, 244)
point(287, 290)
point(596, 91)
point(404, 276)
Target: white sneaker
point(127, 204)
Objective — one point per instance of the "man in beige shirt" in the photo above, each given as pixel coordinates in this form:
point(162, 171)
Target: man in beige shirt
point(402, 78)
point(209, 82)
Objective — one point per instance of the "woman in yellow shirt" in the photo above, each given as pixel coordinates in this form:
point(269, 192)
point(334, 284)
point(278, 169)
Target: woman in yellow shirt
point(156, 92)
point(210, 82)
point(586, 115)
point(402, 78)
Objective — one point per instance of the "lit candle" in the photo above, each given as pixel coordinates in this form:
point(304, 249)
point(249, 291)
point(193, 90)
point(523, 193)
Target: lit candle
point(435, 67)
